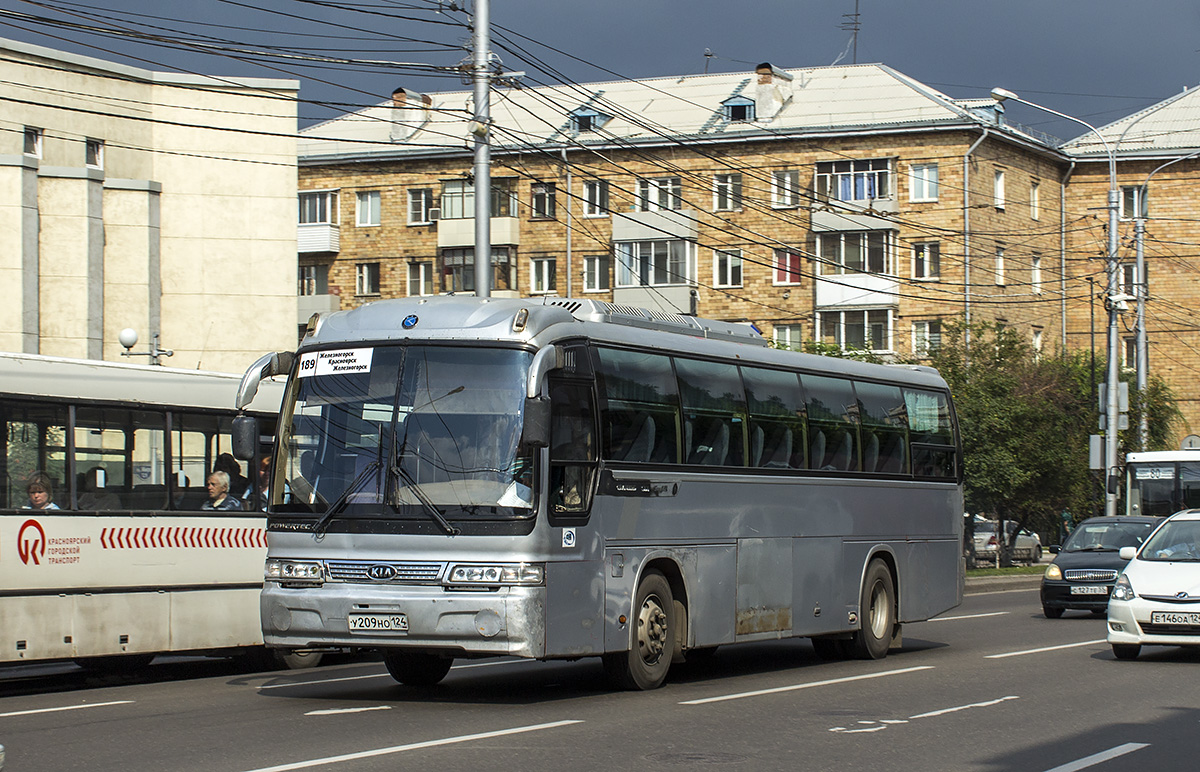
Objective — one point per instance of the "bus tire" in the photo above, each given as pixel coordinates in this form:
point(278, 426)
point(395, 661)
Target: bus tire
point(645, 665)
point(416, 668)
point(877, 614)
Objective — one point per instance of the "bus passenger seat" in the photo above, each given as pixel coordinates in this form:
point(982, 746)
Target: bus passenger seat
point(756, 446)
point(643, 442)
point(780, 455)
point(871, 454)
point(816, 457)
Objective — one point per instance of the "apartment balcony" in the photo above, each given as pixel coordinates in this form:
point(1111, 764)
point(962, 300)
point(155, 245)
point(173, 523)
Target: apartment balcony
point(460, 232)
point(857, 289)
point(317, 237)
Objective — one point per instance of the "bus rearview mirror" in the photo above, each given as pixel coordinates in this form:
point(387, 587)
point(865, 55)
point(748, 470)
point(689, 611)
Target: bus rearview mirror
point(535, 432)
point(245, 437)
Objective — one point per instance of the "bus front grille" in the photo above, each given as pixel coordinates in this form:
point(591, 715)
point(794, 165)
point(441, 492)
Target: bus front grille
point(378, 571)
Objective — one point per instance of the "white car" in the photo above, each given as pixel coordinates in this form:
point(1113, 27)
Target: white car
point(1026, 548)
point(1156, 599)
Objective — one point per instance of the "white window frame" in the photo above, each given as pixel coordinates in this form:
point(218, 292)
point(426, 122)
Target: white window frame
point(542, 275)
point(324, 210)
point(33, 139)
point(1035, 274)
point(926, 336)
point(655, 263)
point(420, 201)
point(785, 188)
point(923, 182)
point(927, 261)
point(542, 200)
point(307, 280)
point(1128, 278)
point(595, 198)
point(421, 277)
point(1129, 353)
point(1134, 202)
point(1000, 281)
point(998, 196)
point(367, 278)
point(93, 151)
point(368, 205)
point(781, 264)
point(788, 335)
point(727, 267)
point(835, 265)
point(1035, 199)
point(864, 179)
point(727, 192)
point(836, 322)
point(1037, 340)
point(659, 194)
point(597, 270)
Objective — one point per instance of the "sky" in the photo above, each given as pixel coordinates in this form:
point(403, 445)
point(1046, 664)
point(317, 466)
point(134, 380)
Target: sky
point(1096, 60)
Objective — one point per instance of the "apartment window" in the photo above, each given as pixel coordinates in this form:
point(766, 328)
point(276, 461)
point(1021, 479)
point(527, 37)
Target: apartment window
point(926, 337)
point(458, 270)
point(659, 193)
point(584, 120)
point(595, 198)
point(33, 142)
point(1129, 349)
point(864, 180)
point(1134, 202)
point(1000, 265)
point(785, 188)
point(1037, 342)
point(420, 201)
point(596, 272)
point(366, 279)
point(727, 192)
point(655, 263)
point(998, 189)
point(727, 268)
point(788, 265)
point(94, 153)
point(1127, 276)
point(458, 198)
point(738, 110)
point(367, 207)
point(542, 276)
point(1035, 275)
point(314, 280)
point(924, 182)
point(1035, 199)
point(927, 260)
point(318, 207)
point(855, 252)
point(420, 278)
point(542, 200)
point(787, 336)
point(857, 329)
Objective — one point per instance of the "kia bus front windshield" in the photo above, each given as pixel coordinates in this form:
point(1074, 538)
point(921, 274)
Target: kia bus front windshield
point(406, 432)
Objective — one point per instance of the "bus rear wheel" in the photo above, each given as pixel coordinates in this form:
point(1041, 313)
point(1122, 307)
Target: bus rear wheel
point(878, 614)
point(645, 665)
point(416, 668)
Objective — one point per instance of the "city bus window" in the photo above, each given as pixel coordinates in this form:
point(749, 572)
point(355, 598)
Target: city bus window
point(832, 423)
point(776, 407)
point(714, 410)
point(884, 428)
point(1189, 484)
point(640, 414)
point(197, 441)
point(120, 459)
point(572, 447)
point(932, 434)
point(35, 438)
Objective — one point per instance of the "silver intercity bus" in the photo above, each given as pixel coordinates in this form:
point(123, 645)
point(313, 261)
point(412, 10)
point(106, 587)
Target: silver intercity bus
point(559, 478)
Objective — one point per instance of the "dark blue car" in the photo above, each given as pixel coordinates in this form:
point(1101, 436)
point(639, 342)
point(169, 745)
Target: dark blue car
point(1086, 566)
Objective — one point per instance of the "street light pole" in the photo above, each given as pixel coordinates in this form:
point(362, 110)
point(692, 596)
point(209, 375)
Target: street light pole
point(1112, 405)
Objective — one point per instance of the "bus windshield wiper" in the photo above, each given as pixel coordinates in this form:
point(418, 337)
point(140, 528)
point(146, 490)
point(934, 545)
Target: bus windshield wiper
point(340, 502)
point(434, 513)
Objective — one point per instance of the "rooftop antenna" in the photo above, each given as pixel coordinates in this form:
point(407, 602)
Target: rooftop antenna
point(708, 55)
point(852, 25)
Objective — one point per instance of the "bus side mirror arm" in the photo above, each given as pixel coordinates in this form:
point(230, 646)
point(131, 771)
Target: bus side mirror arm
point(549, 358)
point(279, 363)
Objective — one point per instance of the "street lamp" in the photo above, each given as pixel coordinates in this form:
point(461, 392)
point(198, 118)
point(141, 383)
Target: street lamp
point(1112, 406)
point(129, 338)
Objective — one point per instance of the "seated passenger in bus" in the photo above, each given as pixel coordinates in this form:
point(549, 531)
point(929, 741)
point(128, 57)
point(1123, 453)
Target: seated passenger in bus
point(239, 485)
point(41, 492)
point(94, 493)
point(218, 494)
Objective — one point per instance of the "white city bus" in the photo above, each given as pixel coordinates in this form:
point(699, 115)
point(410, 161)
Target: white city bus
point(124, 564)
point(555, 479)
point(1162, 482)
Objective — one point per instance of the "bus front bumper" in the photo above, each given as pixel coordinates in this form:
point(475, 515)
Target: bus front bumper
point(505, 621)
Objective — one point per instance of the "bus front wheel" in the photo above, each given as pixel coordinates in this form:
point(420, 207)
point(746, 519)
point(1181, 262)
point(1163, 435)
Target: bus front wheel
point(416, 668)
point(645, 665)
point(878, 614)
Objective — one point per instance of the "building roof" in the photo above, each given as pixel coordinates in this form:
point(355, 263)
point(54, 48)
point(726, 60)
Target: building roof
point(804, 101)
point(1168, 129)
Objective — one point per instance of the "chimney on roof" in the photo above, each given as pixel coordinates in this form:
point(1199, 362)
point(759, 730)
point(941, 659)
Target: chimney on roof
point(410, 113)
point(773, 92)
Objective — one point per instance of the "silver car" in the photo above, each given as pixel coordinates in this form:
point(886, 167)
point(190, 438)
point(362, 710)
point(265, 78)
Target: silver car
point(1027, 548)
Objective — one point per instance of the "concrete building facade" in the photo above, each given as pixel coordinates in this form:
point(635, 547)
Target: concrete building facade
point(159, 202)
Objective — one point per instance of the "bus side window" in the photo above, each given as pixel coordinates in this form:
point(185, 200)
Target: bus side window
point(572, 447)
point(833, 419)
point(35, 440)
point(640, 407)
point(119, 457)
point(714, 413)
point(776, 416)
point(884, 426)
point(934, 454)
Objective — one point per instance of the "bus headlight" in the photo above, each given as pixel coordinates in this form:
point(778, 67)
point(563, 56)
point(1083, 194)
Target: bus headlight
point(291, 572)
point(1123, 590)
point(494, 574)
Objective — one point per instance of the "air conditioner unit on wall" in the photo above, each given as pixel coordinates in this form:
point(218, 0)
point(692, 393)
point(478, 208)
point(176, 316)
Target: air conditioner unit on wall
point(435, 214)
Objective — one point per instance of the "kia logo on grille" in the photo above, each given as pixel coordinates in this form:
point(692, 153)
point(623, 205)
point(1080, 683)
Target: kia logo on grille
point(381, 572)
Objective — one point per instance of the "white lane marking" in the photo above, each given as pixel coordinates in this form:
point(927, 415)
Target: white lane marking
point(968, 616)
point(809, 685)
point(385, 675)
point(1099, 758)
point(337, 711)
point(65, 707)
point(412, 747)
point(1045, 649)
point(944, 711)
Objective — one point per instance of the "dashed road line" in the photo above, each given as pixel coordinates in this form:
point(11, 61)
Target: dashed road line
point(65, 707)
point(1045, 649)
point(809, 685)
point(1099, 758)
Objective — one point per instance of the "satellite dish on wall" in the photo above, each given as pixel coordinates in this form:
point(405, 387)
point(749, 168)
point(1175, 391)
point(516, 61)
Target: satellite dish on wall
point(1190, 442)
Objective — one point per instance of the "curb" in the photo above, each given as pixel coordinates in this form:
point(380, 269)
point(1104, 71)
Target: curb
point(982, 584)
